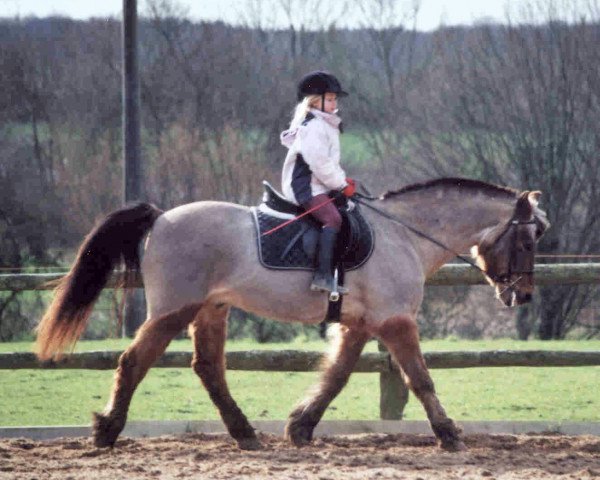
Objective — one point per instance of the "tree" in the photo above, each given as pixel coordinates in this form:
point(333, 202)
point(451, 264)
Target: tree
point(389, 61)
point(519, 107)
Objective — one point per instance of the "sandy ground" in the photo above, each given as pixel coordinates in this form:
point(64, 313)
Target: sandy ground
point(411, 457)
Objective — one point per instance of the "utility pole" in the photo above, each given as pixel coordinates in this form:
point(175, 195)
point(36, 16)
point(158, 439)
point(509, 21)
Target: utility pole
point(132, 165)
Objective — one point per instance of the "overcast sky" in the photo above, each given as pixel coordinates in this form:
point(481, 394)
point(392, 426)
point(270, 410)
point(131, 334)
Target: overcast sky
point(431, 14)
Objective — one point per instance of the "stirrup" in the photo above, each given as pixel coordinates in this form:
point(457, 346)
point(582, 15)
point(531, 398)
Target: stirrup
point(315, 287)
point(329, 285)
point(337, 288)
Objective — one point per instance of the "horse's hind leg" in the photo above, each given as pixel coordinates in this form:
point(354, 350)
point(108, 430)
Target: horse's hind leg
point(400, 336)
point(338, 367)
point(209, 332)
point(150, 342)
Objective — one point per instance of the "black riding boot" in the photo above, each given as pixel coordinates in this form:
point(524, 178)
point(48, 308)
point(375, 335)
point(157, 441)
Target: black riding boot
point(323, 279)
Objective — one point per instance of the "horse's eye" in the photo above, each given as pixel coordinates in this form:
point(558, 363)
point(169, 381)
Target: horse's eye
point(528, 246)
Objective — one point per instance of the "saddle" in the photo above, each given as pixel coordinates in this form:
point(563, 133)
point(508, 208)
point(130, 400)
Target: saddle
point(294, 246)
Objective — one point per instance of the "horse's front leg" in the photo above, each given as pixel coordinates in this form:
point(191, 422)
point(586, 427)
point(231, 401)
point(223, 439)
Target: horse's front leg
point(401, 337)
point(209, 332)
point(150, 342)
point(339, 364)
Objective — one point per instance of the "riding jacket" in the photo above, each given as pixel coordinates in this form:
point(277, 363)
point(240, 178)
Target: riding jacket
point(312, 164)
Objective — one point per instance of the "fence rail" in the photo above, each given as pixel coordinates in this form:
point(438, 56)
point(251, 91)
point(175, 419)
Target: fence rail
point(308, 361)
point(450, 274)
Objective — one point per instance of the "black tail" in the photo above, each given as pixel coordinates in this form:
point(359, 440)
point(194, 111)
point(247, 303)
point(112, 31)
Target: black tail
point(114, 240)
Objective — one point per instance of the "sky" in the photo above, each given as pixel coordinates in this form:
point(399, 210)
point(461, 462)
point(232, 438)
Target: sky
point(432, 13)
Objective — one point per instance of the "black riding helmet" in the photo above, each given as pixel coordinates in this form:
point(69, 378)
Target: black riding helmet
point(319, 83)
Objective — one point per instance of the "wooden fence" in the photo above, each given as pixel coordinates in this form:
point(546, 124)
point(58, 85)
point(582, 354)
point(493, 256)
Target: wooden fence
point(450, 274)
point(393, 392)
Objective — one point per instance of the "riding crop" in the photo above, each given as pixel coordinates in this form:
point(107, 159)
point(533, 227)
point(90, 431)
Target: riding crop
point(292, 220)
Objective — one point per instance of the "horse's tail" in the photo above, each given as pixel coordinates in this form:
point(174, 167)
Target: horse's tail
point(113, 240)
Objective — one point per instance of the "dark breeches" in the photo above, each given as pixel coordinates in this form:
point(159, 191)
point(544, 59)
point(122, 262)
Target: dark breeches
point(328, 215)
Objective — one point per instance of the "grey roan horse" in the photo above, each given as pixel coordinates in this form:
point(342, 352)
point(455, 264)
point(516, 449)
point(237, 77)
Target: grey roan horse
point(201, 258)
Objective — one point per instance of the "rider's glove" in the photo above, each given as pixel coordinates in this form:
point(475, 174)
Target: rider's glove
point(350, 188)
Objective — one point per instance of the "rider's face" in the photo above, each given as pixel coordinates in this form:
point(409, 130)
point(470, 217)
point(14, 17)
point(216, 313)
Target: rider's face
point(330, 103)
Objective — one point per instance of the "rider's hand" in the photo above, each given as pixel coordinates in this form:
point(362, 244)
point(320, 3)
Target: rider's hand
point(350, 188)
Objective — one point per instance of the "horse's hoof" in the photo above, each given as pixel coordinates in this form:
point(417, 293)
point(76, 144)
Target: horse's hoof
point(299, 441)
point(105, 431)
point(448, 434)
point(298, 435)
point(249, 444)
point(453, 446)
point(101, 442)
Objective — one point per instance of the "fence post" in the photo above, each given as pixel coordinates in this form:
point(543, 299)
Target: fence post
point(133, 182)
point(393, 392)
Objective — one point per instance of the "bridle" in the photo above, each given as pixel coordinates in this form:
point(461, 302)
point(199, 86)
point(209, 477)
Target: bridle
point(515, 253)
point(498, 279)
point(513, 262)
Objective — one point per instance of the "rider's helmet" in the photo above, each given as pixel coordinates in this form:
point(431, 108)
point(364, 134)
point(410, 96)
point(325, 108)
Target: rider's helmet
point(319, 83)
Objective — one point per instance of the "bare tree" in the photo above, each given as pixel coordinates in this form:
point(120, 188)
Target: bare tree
point(199, 82)
point(389, 59)
point(519, 107)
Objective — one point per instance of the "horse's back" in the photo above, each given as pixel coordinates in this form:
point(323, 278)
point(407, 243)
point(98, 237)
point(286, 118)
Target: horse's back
point(206, 222)
point(191, 248)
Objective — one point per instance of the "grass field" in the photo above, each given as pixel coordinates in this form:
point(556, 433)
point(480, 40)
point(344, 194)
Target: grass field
point(66, 397)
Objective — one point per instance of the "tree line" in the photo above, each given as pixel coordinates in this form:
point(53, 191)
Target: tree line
point(515, 104)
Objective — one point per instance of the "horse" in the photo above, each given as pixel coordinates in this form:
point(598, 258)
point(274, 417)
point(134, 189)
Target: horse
point(200, 259)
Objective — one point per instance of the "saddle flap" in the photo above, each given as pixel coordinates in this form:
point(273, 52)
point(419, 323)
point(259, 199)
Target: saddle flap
point(294, 246)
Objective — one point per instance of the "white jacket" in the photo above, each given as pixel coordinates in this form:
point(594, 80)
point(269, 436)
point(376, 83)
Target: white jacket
point(312, 165)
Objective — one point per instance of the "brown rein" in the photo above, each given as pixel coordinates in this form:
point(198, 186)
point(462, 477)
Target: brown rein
point(361, 199)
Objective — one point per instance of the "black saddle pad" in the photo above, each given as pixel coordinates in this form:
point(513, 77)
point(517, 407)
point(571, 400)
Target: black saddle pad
point(293, 247)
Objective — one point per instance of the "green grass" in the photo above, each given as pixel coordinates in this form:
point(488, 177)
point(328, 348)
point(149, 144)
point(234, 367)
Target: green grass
point(47, 397)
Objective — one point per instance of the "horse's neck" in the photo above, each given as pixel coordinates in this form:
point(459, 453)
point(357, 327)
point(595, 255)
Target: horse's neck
point(457, 222)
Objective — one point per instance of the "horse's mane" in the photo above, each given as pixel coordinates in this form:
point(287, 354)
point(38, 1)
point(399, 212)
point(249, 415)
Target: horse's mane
point(464, 183)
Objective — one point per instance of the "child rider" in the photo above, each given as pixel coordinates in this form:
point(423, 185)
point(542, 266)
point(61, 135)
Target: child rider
point(312, 166)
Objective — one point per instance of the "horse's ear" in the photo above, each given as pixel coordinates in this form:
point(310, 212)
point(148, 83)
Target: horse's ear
point(534, 197)
point(524, 208)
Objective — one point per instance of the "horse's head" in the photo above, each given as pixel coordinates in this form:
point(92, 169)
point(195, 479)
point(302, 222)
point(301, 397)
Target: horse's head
point(506, 252)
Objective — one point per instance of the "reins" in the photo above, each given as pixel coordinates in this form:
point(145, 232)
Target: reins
point(362, 200)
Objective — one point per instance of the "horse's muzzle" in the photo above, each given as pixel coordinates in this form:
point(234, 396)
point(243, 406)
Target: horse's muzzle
point(522, 298)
